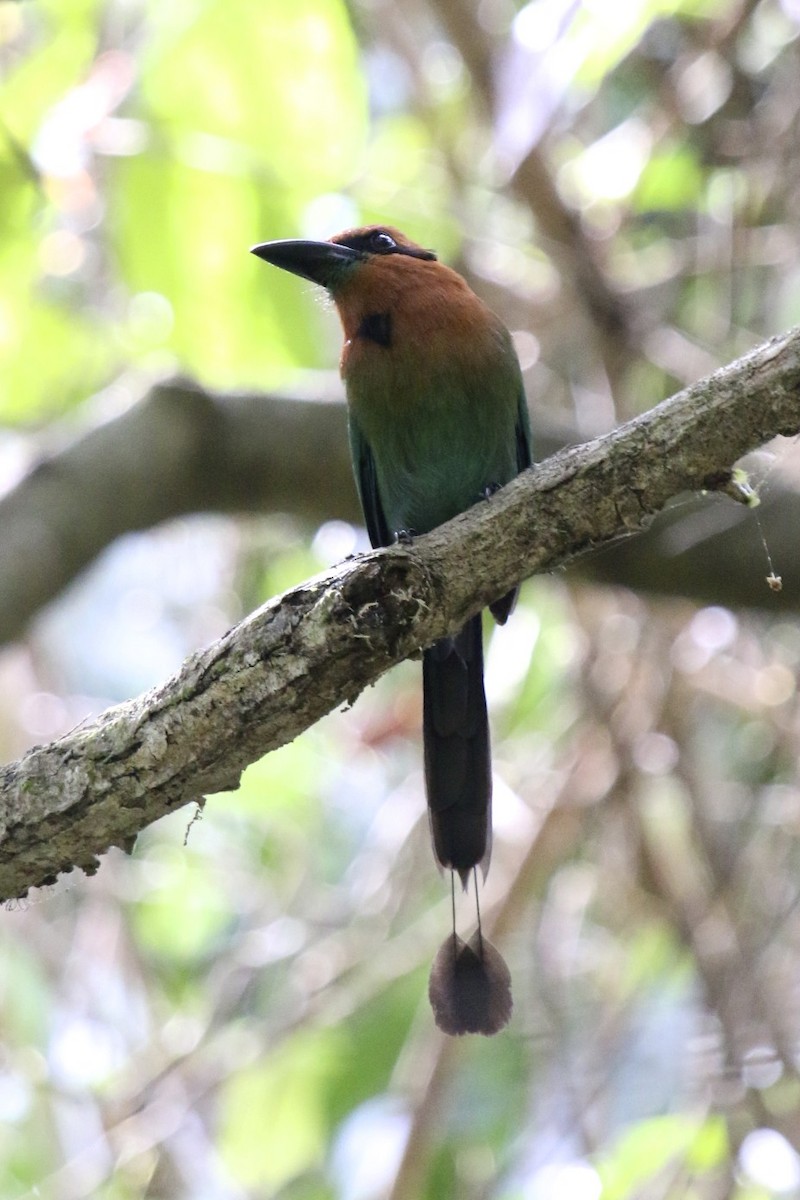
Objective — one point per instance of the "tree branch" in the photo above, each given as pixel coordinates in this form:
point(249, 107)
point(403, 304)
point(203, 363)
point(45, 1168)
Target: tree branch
point(318, 645)
point(612, 317)
point(179, 449)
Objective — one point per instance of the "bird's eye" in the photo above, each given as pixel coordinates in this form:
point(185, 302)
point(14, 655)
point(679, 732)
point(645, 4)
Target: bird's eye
point(382, 242)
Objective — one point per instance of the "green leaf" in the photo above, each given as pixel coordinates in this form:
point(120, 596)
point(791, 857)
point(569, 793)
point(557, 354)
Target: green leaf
point(50, 355)
point(711, 1145)
point(273, 1120)
point(671, 180)
point(280, 80)
point(185, 910)
point(651, 1145)
point(191, 248)
point(254, 108)
point(62, 44)
point(603, 34)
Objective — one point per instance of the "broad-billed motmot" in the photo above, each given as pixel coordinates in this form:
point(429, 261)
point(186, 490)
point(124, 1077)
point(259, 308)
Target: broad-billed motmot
point(438, 421)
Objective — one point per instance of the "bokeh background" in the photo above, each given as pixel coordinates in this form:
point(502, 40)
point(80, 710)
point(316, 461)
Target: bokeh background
point(238, 1008)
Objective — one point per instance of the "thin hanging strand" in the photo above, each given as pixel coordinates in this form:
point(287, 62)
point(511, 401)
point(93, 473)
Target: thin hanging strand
point(478, 909)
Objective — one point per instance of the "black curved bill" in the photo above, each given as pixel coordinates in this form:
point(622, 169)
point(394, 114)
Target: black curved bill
point(320, 262)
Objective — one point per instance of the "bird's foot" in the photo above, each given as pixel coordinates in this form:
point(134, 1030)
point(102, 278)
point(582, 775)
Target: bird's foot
point(404, 537)
point(489, 490)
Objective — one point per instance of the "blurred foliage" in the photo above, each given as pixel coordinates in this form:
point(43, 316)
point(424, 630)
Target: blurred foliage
point(238, 1008)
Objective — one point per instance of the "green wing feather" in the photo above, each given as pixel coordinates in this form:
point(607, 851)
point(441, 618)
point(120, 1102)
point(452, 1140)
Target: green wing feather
point(367, 484)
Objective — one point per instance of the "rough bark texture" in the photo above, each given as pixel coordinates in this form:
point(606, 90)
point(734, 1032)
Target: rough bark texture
point(318, 645)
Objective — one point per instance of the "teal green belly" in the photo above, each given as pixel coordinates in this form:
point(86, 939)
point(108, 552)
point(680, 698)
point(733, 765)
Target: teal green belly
point(426, 477)
point(440, 440)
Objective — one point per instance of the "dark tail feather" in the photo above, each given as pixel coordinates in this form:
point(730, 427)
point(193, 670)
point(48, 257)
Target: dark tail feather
point(470, 987)
point(458, 771)
point(502, 609)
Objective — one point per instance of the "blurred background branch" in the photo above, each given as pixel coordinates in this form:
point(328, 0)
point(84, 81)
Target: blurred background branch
point(180, 449)
point(238, 1008)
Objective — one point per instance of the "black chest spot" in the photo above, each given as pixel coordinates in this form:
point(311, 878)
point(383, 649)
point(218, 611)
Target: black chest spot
point(377, 327)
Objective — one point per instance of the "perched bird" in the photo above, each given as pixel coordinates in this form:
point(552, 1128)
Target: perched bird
point(438, 421)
